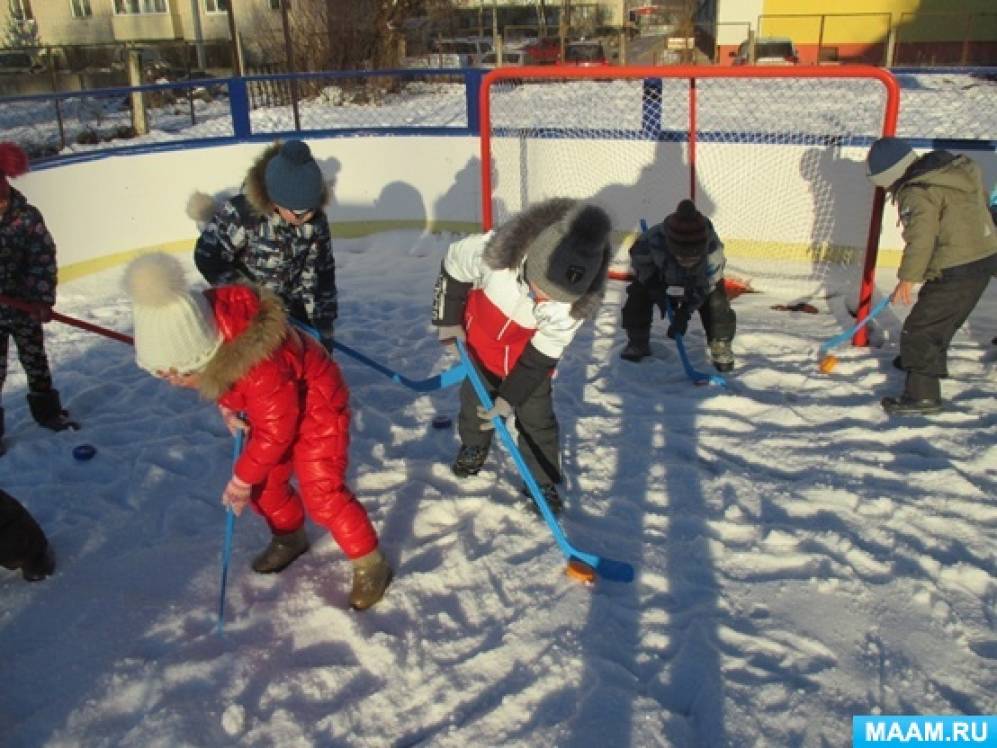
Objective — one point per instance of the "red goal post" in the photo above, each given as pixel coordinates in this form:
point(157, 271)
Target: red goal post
point(773, 155)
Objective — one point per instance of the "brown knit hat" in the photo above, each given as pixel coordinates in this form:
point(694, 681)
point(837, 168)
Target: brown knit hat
point(686, 231)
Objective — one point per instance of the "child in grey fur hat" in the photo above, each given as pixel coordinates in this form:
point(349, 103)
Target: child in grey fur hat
point(683, 251)
point(517, 296)
point(274, 234)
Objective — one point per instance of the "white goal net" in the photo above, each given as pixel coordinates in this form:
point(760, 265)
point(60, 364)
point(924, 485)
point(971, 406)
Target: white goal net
point(775, 162)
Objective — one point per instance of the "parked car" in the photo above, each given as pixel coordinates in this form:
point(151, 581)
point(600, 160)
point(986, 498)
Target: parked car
point(510, 57)
point(585, 54)
point(13, 62)
point(769, 50)
point(544, 51)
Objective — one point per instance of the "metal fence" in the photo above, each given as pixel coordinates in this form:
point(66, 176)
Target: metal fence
point(958, 109)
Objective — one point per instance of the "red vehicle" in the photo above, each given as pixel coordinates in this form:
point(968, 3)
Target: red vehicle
point(543, 51)
point(585, 54)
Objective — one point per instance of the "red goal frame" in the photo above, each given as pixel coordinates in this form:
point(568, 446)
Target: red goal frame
point(693, 73)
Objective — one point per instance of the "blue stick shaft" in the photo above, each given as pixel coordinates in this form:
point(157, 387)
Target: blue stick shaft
point(848, 334)
point(524, 471)
point(227, 545)
point(441, 381)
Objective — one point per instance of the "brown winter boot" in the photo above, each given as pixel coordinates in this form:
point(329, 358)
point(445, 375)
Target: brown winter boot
point(283, 549)
point(371, 576)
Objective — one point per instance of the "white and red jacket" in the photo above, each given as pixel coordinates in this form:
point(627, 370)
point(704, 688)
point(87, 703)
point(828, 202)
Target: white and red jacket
point(482, 286)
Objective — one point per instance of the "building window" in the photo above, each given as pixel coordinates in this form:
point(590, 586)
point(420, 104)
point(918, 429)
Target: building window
point(216, 6)
point(274, 4)
point(135, 7)
point(80, 8)
point(20, 10)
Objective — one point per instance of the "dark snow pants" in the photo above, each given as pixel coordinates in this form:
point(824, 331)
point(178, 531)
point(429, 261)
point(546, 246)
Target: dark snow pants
point(30, 342)
point(942, 307)
point(719, 320)
point(539, 439)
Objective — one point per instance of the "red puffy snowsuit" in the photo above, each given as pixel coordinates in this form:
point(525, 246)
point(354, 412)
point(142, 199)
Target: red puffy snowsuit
point(296, 403)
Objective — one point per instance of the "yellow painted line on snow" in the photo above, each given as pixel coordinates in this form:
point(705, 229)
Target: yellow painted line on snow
point(888, 258)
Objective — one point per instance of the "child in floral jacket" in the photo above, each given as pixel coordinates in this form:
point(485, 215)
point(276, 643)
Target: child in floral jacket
point(27, 274)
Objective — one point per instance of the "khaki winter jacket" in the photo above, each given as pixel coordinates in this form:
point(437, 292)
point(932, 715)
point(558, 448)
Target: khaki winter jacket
point(943, 210)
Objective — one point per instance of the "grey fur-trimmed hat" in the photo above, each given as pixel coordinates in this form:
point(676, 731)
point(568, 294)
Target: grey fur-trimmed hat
point(565, 260)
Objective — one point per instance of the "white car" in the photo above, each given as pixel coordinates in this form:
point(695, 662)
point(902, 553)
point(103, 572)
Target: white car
point(769, 50)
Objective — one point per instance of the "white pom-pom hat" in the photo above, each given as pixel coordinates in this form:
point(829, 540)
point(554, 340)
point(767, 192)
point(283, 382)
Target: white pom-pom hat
point(174, 327)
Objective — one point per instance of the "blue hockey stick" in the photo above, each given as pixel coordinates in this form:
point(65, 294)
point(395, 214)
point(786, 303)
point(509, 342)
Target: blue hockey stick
point(847, 334)
point(698, 377)
point(616, 571)
point(227, 546)
point(450, 377)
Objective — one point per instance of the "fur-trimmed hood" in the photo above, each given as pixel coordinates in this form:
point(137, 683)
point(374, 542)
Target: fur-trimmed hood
point(253, 324)
point(201, 207)
point(510, 244)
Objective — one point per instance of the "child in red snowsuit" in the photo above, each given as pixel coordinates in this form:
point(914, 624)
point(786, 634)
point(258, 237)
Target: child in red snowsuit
point(234, 346)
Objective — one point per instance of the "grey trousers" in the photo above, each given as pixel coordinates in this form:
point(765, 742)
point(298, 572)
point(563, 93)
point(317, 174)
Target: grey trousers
point(539, 439)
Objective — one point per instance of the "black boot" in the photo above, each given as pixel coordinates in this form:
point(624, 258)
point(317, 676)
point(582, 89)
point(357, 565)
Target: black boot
point(371, 577)
point(550, 494)
point(469, 461)
point(638, 344)
point(39, 567)
point(47, 411)
point(283, 549)
point(921, 396)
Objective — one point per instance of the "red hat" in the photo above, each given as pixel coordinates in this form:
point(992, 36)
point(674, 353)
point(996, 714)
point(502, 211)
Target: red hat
point(13, 163)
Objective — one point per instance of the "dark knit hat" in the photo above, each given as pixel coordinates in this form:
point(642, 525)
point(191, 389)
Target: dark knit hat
point(686, 231)
point(13, 163)
point(293, 179)
point(565, 259)
point(888, 160)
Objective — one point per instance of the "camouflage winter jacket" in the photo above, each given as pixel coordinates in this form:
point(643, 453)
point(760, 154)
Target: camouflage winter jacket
point(247, 240)
point(655, 266)
point(943, 211)
point(27, 254)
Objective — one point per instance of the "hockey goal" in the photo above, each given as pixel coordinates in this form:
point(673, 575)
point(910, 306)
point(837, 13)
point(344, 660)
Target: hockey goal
point(774, 156)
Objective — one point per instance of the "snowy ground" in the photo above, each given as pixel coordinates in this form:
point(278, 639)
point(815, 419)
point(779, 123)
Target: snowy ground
point(800, 558)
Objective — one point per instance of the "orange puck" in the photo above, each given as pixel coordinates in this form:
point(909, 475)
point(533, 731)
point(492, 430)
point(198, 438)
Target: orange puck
point(580, 571)
point(828, 363)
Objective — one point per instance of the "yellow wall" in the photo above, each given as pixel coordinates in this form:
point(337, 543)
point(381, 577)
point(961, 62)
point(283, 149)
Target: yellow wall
point(950, 24)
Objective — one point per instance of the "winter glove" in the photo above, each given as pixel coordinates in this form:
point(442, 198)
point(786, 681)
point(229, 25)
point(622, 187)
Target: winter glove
point(233, 422)
point(448, 333)
point(502, 410)
point(236, 495)
point(680, 322)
